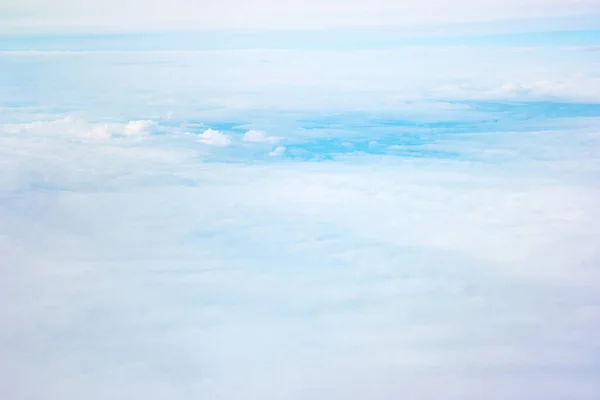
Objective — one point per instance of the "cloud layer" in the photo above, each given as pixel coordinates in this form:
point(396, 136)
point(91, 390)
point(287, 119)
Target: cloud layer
point(140, 264)
point(300, 224)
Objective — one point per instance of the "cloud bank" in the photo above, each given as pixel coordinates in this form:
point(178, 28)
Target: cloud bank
point(423, 230)
point(73, 127)
point(167, 274)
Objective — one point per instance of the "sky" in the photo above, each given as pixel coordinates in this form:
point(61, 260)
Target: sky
point(299, 200)
point(139, 15)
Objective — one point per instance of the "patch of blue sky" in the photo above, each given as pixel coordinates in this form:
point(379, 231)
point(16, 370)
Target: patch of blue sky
point(354, 132)
point(490, 116)
point(537, 109)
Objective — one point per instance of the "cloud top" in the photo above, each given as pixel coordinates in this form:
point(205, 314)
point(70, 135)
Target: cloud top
point(215, 138)
point(256, 136)
point(139, 127)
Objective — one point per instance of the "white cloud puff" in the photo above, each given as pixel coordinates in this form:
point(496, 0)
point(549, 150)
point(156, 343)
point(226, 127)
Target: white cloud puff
point(215, 138)
point(97, 132)
point(139, 127)
point(278, 151)
point(259, 137)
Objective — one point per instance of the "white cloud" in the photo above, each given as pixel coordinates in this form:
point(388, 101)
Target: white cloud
point(259, 137)
point(97, 132)
point(67, 126)
point(278, 151)
point(215, 138)
point(574, 88)
point(140, 127)
point(80, 128)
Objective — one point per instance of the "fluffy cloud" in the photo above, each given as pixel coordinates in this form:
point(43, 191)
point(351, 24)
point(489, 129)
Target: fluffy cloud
point(215, 138)
point(278, 151)
point(259, 137)
point(140, 127)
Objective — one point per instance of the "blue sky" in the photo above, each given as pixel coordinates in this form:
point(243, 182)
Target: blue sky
point(300, 200)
